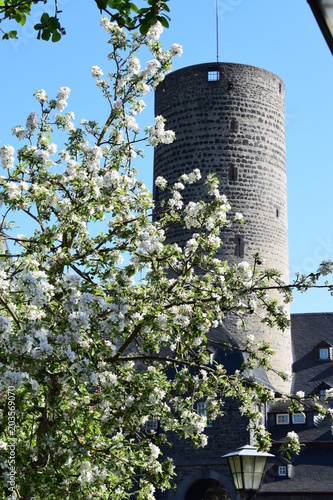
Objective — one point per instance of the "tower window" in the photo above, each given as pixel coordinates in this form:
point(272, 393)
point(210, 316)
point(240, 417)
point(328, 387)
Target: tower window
point(277, 212)
point(280, 88)
point(214, 76)
point(230, 85)
point(233, 173)
point(156, 194)
point(239, 248)
point(234, 126)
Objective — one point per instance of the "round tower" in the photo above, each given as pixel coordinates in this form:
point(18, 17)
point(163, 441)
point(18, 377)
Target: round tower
point(229, 120)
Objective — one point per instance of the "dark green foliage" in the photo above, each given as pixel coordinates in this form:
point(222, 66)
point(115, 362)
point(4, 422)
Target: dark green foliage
point(124, 12)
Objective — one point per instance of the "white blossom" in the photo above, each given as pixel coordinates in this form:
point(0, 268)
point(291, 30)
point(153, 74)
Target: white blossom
point(161, 182)
point(32, 122)
point(326, 267)
point(7, 156)
point(41, 96)
point(176, 49)
point(158, 134)
point(19, 131)
point(96, 72)
point(155, 31)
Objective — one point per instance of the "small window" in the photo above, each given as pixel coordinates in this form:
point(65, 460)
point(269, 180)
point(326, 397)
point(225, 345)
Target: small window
point(151, 424)
point(230, 85)
point(234, 126)
point(233, 173)
point(282, 419)
point(282, 471)
point(277, 212)
point(280, 88)
point(201, 410)
point(214, 76)
point(298, 418)
point(156, 194)
point(239, 248)
point(322, 394)
point(324, 353)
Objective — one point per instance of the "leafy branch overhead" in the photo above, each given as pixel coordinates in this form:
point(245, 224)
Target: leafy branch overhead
point(124, 12)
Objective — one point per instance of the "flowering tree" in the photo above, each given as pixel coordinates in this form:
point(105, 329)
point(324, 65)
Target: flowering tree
point(103, 325)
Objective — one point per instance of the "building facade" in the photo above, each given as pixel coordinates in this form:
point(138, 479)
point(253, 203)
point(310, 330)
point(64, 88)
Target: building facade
point(229, 120)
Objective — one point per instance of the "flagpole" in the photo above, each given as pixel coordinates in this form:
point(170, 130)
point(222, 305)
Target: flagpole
point(217, 30)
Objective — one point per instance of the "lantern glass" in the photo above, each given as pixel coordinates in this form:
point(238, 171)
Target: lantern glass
point(236, 471)
point(247, 467)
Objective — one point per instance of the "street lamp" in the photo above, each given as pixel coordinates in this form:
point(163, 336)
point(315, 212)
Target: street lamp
point(247, 467)
point(323, 12)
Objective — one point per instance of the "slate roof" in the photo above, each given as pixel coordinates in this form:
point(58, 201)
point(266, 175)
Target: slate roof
point(315, 430)
point(233, 358)
point(310, 471)
point(307, 331)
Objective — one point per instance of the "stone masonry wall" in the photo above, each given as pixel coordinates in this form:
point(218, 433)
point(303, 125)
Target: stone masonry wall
point(233, 126)
point(225, 435)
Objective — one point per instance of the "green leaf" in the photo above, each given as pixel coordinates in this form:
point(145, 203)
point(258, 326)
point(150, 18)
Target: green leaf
point(20, 18)
point(164, 22)
point(133, 7)
point(54, 23)
point(46, 35)
point(56, 36)
point(12, 34)
point(150, 17)
point(101, 4)
point(45, 18)
point(144, 28)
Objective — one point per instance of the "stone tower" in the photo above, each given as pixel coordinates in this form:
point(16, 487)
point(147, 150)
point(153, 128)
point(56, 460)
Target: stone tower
point(229, 120)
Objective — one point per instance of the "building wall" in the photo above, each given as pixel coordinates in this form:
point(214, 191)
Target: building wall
point(192, 465)
point(234, 127)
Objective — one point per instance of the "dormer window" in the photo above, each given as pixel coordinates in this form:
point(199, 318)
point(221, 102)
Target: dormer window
point(322, 389)
point(282, 471)
point(322, 394)
point(324, 351)
point(282, 419)
point(298, 418)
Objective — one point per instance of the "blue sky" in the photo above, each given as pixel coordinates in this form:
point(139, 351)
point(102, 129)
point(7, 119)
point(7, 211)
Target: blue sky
point(281, 36)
